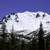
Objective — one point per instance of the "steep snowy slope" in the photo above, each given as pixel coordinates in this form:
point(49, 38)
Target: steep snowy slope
point(26, 22)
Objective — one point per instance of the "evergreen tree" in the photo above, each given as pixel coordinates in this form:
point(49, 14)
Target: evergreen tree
point(33, 47)
point(13, 40)
point(3, 43)
point(41, 38)
point(22, 45)
point(48, 43)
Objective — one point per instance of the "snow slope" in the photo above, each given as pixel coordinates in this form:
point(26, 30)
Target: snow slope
point(26, 21)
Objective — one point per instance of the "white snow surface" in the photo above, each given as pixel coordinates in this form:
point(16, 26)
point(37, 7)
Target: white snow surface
point(27, 21)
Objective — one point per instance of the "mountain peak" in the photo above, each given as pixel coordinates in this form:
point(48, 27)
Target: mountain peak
point(29, 21)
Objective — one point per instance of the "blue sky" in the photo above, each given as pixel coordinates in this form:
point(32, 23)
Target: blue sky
point(8, 6)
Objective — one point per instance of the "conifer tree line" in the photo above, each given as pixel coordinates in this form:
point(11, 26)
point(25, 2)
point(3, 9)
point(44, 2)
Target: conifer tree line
point(8, 41)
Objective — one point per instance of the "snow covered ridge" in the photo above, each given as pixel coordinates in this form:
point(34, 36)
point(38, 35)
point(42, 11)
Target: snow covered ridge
point(26, 22)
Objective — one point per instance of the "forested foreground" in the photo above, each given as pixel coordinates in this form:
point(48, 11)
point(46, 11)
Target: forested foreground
point(10, 42)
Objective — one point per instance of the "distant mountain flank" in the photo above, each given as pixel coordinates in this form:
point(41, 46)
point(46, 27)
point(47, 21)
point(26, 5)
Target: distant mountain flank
point(26, 23)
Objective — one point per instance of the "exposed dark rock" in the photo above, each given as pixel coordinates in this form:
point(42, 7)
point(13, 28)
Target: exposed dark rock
point(44, 15)
point(37, 15)
point(8, 16)
point(12, 13)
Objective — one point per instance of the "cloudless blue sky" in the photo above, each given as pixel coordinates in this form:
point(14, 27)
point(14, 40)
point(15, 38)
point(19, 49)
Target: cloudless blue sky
point(8, 6)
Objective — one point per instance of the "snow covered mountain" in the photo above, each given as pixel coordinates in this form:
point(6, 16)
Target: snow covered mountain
point(26, 22)
point(29, 21)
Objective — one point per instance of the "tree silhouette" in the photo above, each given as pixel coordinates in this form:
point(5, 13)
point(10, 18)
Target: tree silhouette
point(22, 45)
point(41, 38)
point(13, 40)
point(3, 35)
point(48, 42)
